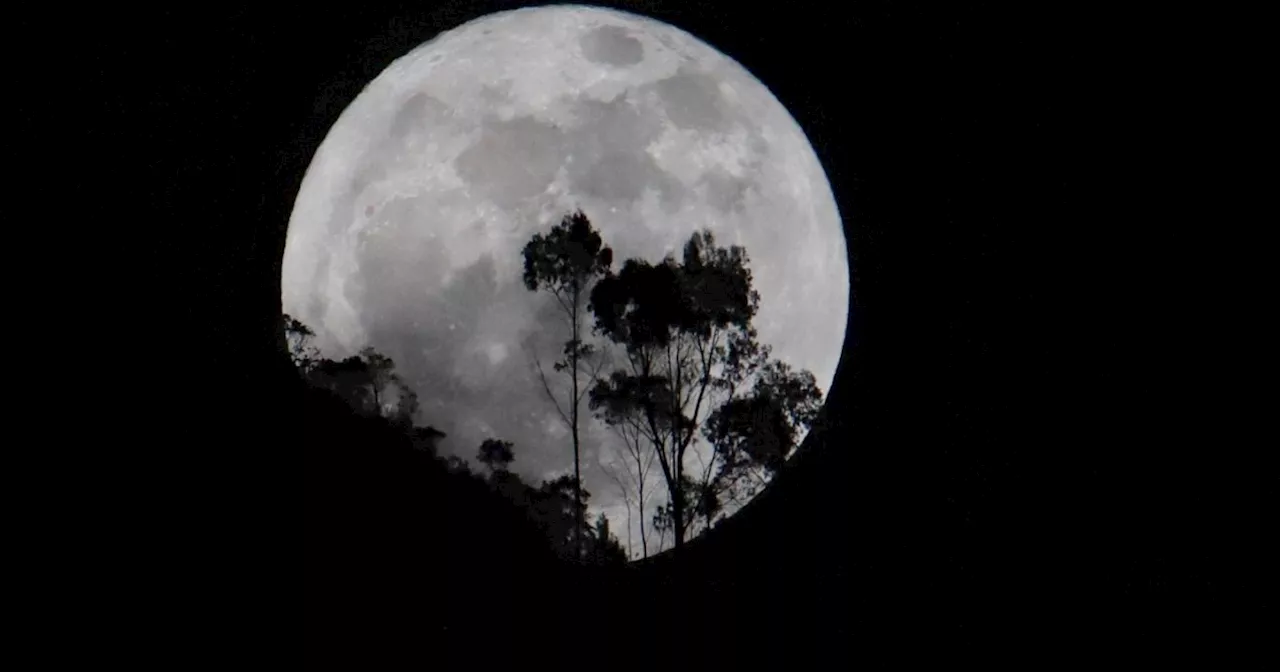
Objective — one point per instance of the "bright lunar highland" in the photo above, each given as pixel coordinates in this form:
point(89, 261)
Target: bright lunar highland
point(407, 231)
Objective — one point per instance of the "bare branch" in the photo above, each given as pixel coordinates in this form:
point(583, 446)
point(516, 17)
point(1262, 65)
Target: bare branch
point(702, 388)
point(594, 376)
point(618, 429)
point(558, 292)
point(613, 476)
point(547, 387)
point(648, 465)
point(706, 474)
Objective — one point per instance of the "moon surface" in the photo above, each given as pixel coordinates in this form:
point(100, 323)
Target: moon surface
point(407, 230)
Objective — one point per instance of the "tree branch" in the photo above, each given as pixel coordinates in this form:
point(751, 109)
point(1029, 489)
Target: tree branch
point(595, 372)
point(613, 476)
point(702, 388)
point(547, 387)
point(706, 474)
point(566, 311)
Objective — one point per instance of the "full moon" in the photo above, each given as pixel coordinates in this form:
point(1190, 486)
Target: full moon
point(406, 234)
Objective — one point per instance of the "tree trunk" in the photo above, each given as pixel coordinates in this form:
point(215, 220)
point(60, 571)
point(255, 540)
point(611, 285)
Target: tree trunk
point(577, 480)
point(677, 498)
point(644, 540)
point(577, 471)
point(677, 522)
point(677, 509)
point(629, 535)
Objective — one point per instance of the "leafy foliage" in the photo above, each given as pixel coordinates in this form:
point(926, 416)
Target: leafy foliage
point(685, 327)
point(605, 548)
point(765, 424)
point(299, 337)
point(623, 395)
point(564, 259)
point(496, 454)
point(425, 438)
point(566, 262)
point(692, 374)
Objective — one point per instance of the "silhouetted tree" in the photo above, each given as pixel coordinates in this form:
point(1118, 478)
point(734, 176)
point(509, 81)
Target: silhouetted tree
point(552, 505)
point(605, 549)
point(369, 384)
point(555, 505)
point(686, 330)
point(631, 474)
point(754, 433)
point(662, 524)
point(624, 490)
point(350, 379)
point(299, 337)
point(688, 502)
point(381, 376)
point(685, 327)
point(566, 262)
point(426, 439)
point(456, 464)
point(496, 455)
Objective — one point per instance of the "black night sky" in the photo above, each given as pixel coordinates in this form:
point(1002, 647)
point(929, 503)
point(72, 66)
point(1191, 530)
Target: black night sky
point(1015, 458)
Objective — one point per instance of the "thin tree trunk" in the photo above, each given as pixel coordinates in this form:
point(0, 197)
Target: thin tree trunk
point(677, 499)
point(577, 480)
point(627, 502)
point(677, 520)
point(677, 508)
point(577, 470)
point(644, 540)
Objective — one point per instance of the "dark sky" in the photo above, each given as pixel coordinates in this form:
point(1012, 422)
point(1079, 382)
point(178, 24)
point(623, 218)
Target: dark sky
point(1021, 437)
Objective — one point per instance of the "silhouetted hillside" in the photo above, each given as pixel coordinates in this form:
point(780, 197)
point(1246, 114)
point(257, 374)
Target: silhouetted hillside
point(400, 549)
point(1027, 463)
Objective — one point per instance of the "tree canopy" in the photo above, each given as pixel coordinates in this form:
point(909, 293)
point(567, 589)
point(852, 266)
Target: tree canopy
point(566, 262)
point(675, 368)
point(685, 328)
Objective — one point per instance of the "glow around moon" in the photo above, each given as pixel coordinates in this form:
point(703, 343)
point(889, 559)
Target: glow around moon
point(407, 230)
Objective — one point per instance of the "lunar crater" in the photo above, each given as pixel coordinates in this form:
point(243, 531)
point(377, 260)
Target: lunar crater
point(619, 123)
point(421, 112)
point(613, 46)
point(692, 100)
point(513, 160)
point(724, 191)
